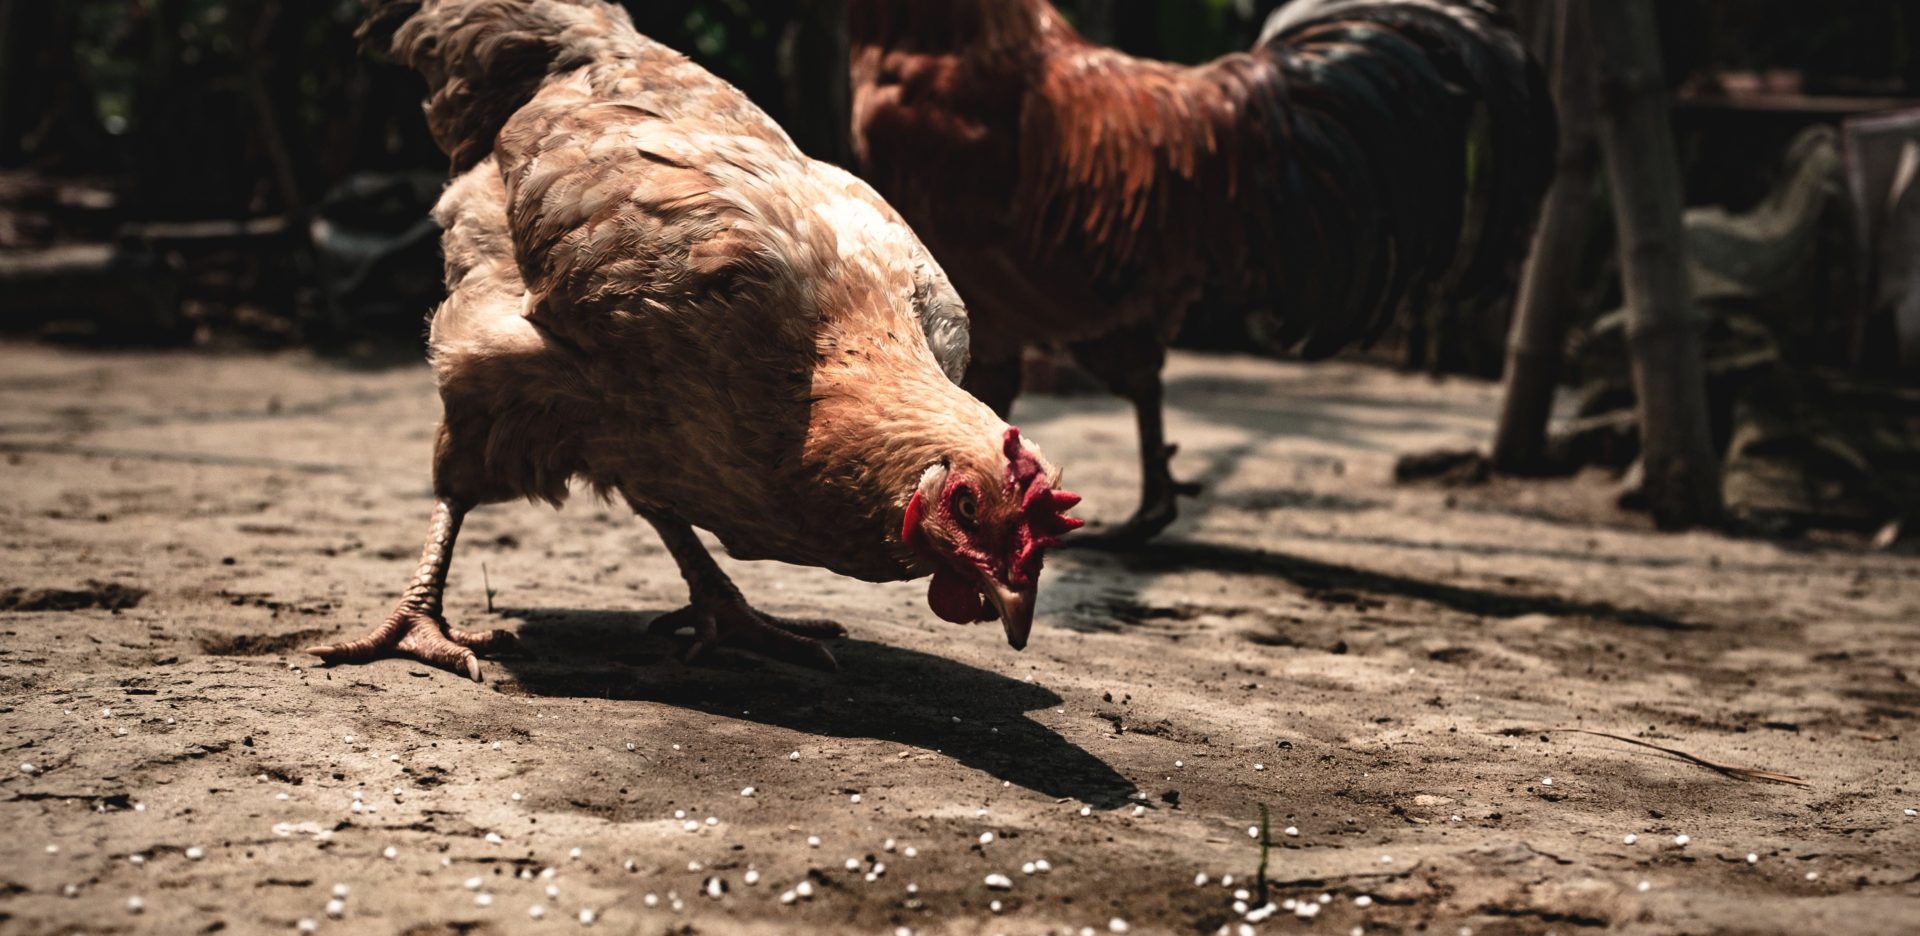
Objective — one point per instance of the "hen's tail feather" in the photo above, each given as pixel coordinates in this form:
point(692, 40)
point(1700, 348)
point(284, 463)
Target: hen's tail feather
point(484, 59)
point(1443, 118)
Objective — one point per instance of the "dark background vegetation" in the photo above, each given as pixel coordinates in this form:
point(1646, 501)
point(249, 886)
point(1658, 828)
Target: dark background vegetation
point(255, 177)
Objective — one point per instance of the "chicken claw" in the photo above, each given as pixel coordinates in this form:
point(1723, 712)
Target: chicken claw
point(416, 628)
point(731, 622)
point(422, 635)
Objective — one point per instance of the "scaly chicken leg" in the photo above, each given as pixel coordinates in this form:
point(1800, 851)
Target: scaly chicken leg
point(720, 616)
point(1129, 364)
point(416, 628)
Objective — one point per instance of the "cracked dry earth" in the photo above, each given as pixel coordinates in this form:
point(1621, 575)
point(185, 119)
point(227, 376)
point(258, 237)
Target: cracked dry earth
point(1374, 664)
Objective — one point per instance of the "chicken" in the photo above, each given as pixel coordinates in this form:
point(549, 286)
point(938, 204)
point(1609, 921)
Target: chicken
point(1365, 155)
point(652, 291)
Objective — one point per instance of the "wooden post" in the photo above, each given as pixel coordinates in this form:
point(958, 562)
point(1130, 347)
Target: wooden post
point(1549, 290)
point(1682, 471)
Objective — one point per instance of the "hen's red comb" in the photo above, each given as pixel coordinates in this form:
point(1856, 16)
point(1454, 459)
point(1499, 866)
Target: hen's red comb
point(1043, 511)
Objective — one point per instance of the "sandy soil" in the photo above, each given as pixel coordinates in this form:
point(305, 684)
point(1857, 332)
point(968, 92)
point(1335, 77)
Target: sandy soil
point(1373, 664)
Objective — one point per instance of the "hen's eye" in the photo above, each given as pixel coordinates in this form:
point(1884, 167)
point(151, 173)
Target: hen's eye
point(964, 507)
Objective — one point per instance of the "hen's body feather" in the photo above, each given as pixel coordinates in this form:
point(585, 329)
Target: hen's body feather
point(651, 289)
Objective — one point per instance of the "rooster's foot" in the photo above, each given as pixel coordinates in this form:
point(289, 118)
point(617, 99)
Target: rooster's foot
point(1154, 516)
point(731, 622)
point(422, 635)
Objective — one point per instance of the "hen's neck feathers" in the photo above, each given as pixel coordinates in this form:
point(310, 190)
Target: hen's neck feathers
point(882, 413)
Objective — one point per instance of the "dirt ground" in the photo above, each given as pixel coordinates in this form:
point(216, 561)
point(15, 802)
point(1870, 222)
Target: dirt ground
point(1375, 665)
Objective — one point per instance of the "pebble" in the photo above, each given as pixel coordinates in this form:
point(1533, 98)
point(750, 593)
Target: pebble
point(390, 853)
point(999, 881)
point(888, 845)
point(553, 892)
point(53, 849)
point(1139, 811)
point(752, 877)
point(1253, 831)
point(1753, 858)
point(715, 887)
point(1027, 868)
point(516, 797)
point(1363, 901)
point(587, 916)
point(813, 841)
point(794, 756)
point(986, 838)
point(1546, 781)
point(1200, 880)
point(1259, 766)
point(136, 905)
point(1645, 886)
point(1813, 875)
point(483, 900)
point(713, 821)
point(787, 897)
point(537, 912)
point(1043, 865)
point(629, 745)
point(1292, 831)
point(853, 864)
point(494, 838)
point(1117, 925)
point(71, 890)
point(307, 925)
point(473, 883)
point(196, 853)
point(1631, 838)
point(1682, 840)
point(854, 798)
point(28, 768)
point(336, 908)
point(747, 791)
point(653, 900)
point(690, 825)
point(1086, 810)
point(340, 890)
point(911, 852)
point(804, 889)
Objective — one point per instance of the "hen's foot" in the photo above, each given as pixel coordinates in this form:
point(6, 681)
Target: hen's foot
point(731, 622)
point(422, 635)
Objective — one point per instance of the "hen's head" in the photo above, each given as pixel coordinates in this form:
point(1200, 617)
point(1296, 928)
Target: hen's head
point(985, 526)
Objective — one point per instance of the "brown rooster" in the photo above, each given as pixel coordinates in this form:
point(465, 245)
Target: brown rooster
point(1364, 155)
point(652, 291)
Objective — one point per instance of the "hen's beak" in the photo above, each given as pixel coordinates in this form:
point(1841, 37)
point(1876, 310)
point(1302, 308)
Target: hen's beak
point(1015, 607)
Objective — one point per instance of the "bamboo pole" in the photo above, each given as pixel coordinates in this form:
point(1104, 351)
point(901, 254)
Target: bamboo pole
point(1682, 471)
point(1549, 290)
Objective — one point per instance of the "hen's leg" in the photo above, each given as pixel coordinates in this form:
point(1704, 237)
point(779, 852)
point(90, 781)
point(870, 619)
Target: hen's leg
point(720, 617)
point(1129, 364)
point(416, 627)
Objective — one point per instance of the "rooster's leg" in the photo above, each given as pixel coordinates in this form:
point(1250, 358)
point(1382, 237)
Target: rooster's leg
point(995, 382)
point(416, 627)
point(720, 617)
point(1129, 364)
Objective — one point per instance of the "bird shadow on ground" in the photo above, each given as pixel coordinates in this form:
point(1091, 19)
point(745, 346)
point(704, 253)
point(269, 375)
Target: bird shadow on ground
point(1168, 555)
point(882, 692)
